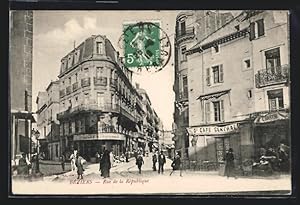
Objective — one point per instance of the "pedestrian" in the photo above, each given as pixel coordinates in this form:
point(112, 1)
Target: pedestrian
point(140, 162)
point(229, 163)
point(63, 161)
point(127, 156)
point(23, 166)
point(154, 160)
point(97, 156)
point(79, 164)
point(34, 164)
point(176, 164)
point(73, 159)
point(111, 157)
point(161, 162)
point(105, 164)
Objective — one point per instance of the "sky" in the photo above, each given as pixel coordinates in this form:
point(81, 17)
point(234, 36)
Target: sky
point(54, 33)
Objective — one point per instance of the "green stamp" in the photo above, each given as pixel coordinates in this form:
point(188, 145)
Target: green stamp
point(142, 45)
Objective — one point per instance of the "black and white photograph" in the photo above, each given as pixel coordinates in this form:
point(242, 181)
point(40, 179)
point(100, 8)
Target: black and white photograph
point(149, 102)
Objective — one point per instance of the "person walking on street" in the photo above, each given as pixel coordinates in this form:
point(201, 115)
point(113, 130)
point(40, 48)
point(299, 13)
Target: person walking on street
point(154, 160)
point(73, 159)
point(23, 166)
point(79, 164)
point(229, 164)
point(176, 164)
point(161, 162)
point(140, 162)
point(63, 161)
point(105, 164)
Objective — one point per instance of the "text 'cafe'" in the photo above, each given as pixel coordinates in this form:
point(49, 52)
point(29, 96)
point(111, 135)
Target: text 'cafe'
point(210, 143)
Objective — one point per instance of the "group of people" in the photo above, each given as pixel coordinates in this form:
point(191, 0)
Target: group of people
point(159, 158)
point(77, 163)
point(26, 166)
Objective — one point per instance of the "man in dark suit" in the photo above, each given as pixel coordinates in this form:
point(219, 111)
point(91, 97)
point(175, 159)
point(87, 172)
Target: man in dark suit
point(161, 162)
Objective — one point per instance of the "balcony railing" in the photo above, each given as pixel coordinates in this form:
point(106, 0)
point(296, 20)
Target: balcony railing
point(85, 82)
point(75, 86)
point(113, 82)
point(188, 32)
point(68, 90)
point(267, 77)
point(62, 93)
point(100, 81)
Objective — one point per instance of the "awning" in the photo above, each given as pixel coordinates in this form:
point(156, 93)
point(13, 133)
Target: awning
point(271, 117)
point(23, 115)
point(213, 95)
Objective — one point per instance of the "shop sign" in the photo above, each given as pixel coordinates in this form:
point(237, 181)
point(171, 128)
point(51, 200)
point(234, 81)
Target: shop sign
point(100, 136)
point(213, 130)
point(271, 117)
point(85, 137)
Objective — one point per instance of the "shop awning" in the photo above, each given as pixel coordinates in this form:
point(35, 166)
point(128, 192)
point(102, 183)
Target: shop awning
point(271, 117)
point(213, 95)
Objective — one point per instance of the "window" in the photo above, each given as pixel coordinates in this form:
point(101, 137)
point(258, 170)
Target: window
point(99, 72)
point(185, 85)
point(70, 80)
point(70, 61)
point(257, 29)
point(249, 93)
point(247, 63)
point(183, 27)
point(183, 55)
point(86, 98)
point(63, 83)
point(99, 48)
point(275, 99)
point(217, 74)
point(76, 77)
point(77, 54)
point(100, 99)
point(273, 60)
point(86, 72)
point(218, 111)
point(70, 103)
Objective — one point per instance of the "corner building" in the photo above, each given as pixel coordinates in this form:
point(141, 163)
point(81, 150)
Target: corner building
point(98, 105)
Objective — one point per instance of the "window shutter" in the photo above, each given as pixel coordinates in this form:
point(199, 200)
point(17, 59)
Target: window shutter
point(207, 112)
point(208, 76)
point(222, 110)
point(221, 78)
point(252, 31)
point(261, 29)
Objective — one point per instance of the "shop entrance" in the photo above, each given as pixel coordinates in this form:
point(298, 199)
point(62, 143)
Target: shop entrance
point(222, 144)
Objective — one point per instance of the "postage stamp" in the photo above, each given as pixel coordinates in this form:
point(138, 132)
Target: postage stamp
point(145, 45)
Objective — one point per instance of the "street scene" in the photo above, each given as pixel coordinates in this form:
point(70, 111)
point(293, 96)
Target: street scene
point(151, 102)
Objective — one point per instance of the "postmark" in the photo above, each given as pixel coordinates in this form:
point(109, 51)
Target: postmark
point(146, 46)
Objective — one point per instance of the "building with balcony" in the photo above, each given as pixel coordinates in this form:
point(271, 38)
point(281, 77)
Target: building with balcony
point(99, 107)
point(20, 87)
point(47, 123)
point(191, 27)
point(238, 93)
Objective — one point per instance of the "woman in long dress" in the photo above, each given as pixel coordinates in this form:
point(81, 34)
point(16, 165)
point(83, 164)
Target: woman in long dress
point(105, 164)
point(79, 165)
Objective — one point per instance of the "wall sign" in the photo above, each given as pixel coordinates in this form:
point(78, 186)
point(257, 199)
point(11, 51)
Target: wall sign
point(213, 130)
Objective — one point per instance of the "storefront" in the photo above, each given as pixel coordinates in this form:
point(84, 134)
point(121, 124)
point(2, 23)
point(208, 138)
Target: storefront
point(89, 144)
point(210, 143)
point(270, 130)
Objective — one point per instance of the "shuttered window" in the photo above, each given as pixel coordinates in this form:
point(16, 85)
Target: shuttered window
point(257, 29)
point(207, 112)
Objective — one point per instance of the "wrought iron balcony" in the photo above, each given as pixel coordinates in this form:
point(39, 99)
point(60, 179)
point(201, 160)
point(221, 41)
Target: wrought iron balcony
point(68, 90)
point(75, 86)
point(62, 93)
point(187, 33)
point(100, 81)
point(85, 82)
point(267, 77)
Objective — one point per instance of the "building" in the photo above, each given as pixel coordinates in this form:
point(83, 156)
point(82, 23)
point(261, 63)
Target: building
point(47, 123)
point(98, 105)
point(238, 87)
point(191, 27)
point(20, 71)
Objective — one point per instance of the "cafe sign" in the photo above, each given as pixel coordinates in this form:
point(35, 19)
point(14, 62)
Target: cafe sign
point(213, 130)
point(271, 117)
